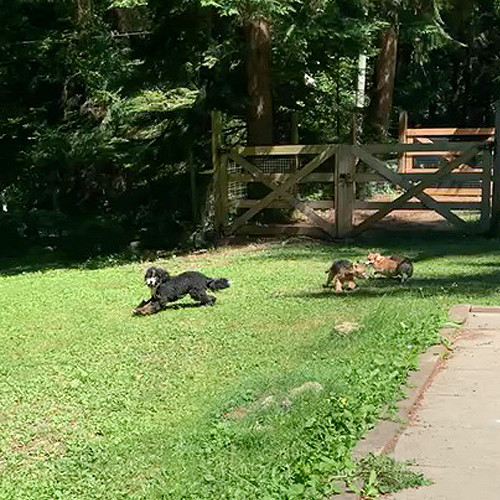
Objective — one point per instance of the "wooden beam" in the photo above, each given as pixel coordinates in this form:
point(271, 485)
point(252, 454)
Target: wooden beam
point(484, 222)
point(344, 191)
point(285, 150)
point(314, 177)
point(282, 229)
point(402, 128)
point(418, 205)
point(449, 131)
point(437, 147)
point(495, 202)
point(453, 177)
point(315, 204)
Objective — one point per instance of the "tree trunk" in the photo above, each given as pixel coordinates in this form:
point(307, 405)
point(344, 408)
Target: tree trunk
point(260, 112)
point(83, 9)
point(381, 105)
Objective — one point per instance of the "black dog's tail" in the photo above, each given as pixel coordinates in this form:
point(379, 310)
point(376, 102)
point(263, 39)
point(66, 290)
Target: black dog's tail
point(218, 284)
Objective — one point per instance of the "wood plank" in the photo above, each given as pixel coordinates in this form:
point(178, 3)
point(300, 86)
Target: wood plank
point(326, 177)
point(282, 230)
point(495, 202)
point(484, 221)
point(298, 149)
point(316, 204)
point(444, 152)
point(285, 150)
point(445, 146)
point(457, 170)
point(453, 177)
point(415, 205)
point(413, 190)
point(453, 192)
point(344, 191)
point(416, 132)
point(279, 191)
point(403, 139)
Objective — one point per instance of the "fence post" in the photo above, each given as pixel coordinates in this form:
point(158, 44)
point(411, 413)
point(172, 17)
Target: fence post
point(402, 127)
point(220, 173)
point(495, 202)
point(344, 191)
point(486, 164)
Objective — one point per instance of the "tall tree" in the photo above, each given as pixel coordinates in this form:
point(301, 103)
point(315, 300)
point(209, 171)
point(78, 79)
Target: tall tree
point(259, 81)
point(379, 112)
point(385, 71)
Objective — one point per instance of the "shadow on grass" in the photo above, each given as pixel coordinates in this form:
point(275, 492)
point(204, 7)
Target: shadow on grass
point(475, 284)
point(172, 307)
point(10, 266)
point(419, 247)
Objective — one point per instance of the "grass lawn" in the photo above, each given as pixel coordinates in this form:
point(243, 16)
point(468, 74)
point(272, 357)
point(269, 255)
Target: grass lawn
point(209, 402)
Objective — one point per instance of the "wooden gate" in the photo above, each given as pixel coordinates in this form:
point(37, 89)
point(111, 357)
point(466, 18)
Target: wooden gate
point(342, 168)
point(415, 186)
point(245, 165)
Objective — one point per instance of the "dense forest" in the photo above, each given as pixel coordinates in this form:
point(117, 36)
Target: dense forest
point(105, 104)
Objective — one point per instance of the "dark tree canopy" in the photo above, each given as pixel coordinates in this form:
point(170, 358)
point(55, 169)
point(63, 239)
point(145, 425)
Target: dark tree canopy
point(105, 104)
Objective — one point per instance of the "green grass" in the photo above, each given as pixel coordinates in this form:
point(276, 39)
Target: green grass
point(95, 403)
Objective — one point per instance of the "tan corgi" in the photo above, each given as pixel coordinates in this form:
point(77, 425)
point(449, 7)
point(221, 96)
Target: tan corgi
point(393, 266)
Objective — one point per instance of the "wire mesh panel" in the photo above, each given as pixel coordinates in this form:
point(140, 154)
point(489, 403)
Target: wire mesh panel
point(236, 190)
point(266, 164)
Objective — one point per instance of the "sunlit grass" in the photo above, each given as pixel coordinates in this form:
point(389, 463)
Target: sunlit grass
point(96, 403)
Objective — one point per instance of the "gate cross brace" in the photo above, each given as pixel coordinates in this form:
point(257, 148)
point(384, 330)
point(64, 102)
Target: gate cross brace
point(411, 189)
point(280, 190)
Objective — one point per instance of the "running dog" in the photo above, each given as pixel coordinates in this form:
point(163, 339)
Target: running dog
point(392, 267)
point(166, 289)
point(343, 272)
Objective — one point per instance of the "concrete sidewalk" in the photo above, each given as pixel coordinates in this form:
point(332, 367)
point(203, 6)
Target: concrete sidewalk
point(454, 430)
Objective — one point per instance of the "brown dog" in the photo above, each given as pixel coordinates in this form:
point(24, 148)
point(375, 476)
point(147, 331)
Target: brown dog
point(392, 267)
point(343, 272)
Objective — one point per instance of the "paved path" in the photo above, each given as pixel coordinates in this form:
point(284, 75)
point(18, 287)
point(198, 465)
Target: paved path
point(454, 434)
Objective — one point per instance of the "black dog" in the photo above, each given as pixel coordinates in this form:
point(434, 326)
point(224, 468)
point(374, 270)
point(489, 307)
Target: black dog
point(166, 288)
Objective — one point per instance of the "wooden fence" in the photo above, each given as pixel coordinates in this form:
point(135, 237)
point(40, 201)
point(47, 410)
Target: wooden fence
point(337, 172)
